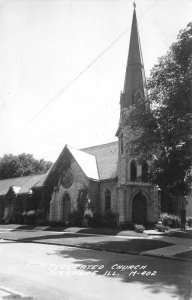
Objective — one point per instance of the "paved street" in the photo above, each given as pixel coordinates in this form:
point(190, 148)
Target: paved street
point(58, 272)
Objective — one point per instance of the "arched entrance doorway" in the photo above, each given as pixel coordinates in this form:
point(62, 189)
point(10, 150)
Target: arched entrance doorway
point(139, 209)
point(66, 203)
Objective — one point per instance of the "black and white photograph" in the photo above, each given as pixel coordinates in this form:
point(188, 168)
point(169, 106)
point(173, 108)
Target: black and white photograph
point(95, 149)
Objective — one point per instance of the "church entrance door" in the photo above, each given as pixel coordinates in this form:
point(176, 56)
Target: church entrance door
point(139, 209)
point(66, 206)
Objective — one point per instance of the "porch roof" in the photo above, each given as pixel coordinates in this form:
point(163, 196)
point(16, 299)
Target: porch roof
point(25, 183)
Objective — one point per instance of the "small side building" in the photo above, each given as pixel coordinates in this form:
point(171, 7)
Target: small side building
point(18, 195)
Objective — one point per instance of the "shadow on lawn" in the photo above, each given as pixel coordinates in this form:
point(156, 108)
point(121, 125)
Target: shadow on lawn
point(173, 277)
point(181, 234)
point(132, 245)
point(54, 237)
point(30, 237)
point(97, 242)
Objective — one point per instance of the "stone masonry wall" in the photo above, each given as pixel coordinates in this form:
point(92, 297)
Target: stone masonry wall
point(126, 194)
point(152, 202)
point(80, 182)
point(112, 186)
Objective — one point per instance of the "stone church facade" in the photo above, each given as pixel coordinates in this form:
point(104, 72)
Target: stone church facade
point(101, 178)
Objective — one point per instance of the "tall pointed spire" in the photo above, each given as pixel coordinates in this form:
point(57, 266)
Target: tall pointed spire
point(135, 75)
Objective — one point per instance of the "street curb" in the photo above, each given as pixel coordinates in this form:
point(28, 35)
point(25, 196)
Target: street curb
point(167, 257)
point(107, 250)
point(15, 294)
point(34, 227)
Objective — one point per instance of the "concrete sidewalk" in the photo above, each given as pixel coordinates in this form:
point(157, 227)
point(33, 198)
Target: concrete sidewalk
point(180, 246)
point(151, 244)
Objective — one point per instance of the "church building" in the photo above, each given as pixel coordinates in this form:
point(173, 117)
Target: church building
point(106, 176)
point(103, 177)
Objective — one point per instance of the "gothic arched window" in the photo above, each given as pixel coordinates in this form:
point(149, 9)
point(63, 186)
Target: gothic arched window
point(144, 171)
point(133, 170)
point(107, 199)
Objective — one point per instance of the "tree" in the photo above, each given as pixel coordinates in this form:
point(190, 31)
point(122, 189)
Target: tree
point(160, 126)
point(22, 165)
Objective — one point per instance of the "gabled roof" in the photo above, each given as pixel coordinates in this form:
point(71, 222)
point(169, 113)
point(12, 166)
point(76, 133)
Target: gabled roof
point(97, 162)
point(106, 156)
point(40, 183)
point(16, 189)
point(86, 161)
point(25, 183)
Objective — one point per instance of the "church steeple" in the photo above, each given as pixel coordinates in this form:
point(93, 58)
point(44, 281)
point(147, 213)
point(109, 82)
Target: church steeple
point(135, 76)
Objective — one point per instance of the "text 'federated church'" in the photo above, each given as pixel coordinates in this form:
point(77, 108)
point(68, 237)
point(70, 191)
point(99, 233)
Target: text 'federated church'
point(103, 177)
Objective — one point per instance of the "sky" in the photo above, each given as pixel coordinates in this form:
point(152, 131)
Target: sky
point(62, 67)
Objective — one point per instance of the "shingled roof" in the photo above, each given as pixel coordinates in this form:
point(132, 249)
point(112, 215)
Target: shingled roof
point(86, 161)
point(106, 156)
point(40, 183)
point(25, 183)
point(97, 162)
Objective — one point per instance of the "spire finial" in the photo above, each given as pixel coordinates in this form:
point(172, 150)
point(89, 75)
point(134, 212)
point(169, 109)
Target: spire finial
point(134, 5)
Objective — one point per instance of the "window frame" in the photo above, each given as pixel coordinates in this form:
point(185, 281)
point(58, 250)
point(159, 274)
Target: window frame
point(107, 196)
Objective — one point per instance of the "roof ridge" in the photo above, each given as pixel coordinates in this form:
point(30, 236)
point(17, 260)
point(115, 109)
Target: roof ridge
point(11, 178)
point(98, 145)
point(69, 147)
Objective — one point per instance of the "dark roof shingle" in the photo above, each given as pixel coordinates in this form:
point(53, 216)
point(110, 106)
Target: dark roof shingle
point(25, 182)
point(107, 157)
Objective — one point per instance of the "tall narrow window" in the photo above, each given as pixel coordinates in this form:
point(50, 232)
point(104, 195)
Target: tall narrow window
point(133, 170)
point(144, 171)
point(107, 199)
point(121, 144)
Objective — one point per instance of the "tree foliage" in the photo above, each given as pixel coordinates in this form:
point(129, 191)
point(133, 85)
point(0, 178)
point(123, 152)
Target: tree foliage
point(160, 126)
point(22, 165)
